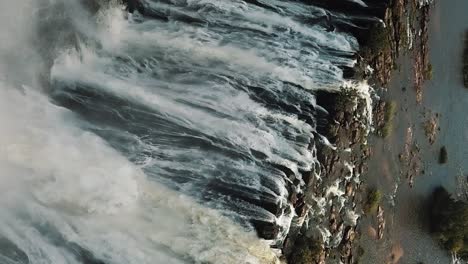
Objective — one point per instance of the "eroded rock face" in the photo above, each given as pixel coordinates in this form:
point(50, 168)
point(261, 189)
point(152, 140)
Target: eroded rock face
point(346, 133)
point(266, 230)
point(333, 198)
point(343, 130)
point(379, 114)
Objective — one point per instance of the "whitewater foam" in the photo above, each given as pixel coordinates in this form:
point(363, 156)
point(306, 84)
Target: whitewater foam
point(170, 136)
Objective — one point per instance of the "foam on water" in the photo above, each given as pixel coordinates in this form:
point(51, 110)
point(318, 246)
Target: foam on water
point(56, 175)
point(126, 139)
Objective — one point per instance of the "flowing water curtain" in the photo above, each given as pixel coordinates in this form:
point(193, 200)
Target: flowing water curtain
point(176, 129)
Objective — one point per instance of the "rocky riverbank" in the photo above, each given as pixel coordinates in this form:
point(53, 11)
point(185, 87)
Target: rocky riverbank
point(327, 225)
point(405, 31)
point(333, 202)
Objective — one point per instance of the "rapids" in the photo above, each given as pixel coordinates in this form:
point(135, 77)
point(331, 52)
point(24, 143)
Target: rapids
point(163, 137)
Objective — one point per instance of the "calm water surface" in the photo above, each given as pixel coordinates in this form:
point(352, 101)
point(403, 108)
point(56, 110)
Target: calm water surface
point(444, 95)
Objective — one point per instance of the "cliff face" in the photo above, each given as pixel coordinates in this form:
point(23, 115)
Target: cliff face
point(326, 213)
point(327, 226)
point(381, 45)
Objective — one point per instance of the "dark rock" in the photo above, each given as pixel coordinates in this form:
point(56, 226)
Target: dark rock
point(266, 230)
point(289, 173)
point(293, 198)
point(301, 209)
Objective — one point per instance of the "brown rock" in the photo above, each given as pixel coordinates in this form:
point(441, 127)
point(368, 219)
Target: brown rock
point(380, 222)
point(396, 254)
point(349, 189)
point(371, 232)
point(340, 116)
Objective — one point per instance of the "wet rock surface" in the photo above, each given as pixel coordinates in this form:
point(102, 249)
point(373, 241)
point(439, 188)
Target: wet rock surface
point(431, 127)
point(330, 210)
point(410, 158)
point(406, 31)
point(332, 203)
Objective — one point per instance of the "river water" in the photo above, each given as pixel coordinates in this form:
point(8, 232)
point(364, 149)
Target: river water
point(445, 95)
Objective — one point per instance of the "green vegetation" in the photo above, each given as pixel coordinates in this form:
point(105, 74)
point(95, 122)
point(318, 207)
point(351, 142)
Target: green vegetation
point(390, 111)
point(449, 222)
point(428, 73)
point(346, 99)
point(306, 250)
point(374, 198)
point(378, 39)
point(443, 155)
point(358, 255)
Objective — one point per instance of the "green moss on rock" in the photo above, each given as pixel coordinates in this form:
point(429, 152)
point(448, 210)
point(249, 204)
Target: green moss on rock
point(390, 112)
point(429, 72)
point(374, 197)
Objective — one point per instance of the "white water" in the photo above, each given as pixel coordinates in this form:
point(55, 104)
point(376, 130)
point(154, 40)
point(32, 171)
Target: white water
point(55, 174)
point(71, 192)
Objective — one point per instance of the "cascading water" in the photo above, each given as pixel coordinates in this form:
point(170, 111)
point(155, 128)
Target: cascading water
point(162, 137)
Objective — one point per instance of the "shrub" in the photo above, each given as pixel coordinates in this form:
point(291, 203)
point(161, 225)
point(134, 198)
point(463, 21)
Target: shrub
point(390, 111)
point(387, 129)
point(378, 39)
point(455, 244)
point(306, 250)
point(346, 99)
point(428, 73)
point(443, 155)
point(449, 222)
point(374, 198)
